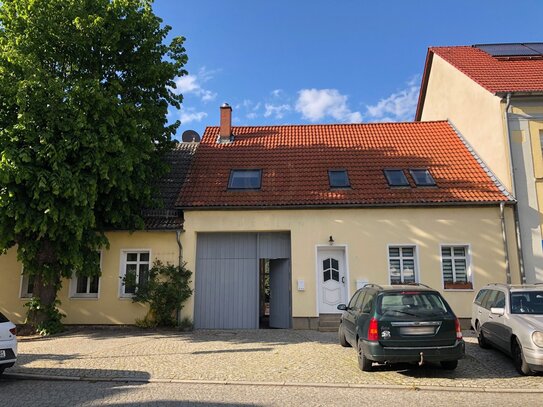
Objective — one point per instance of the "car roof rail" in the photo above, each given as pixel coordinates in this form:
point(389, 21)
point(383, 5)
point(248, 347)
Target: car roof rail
point(373, 285)
point(422, 285)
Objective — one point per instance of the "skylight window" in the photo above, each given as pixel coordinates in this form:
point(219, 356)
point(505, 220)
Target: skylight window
point(422, 178)
point(245, 179)
point(338, 179)
point(396, 178)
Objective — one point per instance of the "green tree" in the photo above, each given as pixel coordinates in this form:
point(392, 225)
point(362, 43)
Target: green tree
point(85, 88)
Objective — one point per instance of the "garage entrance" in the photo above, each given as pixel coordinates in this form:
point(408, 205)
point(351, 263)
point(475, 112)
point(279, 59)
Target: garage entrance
point(228, 280)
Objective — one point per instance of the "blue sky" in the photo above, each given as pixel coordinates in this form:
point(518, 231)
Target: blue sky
point(324, 61)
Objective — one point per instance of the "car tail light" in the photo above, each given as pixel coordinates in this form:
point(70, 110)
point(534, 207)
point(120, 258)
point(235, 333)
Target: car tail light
point(458, 329)
point(13, 331)
point(373, 330)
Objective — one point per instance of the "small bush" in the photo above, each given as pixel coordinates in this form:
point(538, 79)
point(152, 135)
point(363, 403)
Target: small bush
point(165, 291)
point(51, 318)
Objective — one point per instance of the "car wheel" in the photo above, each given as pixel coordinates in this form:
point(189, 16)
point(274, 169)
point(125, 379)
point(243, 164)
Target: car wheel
point(363, 362)
point(449, 364)
point(519, 361)
point(483, 343)
point(342, 340)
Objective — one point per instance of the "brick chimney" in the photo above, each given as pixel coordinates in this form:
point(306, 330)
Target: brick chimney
point(225, 132)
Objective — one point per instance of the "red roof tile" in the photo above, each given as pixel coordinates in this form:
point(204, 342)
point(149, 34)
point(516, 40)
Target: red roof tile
point(295, 160)
point(495, 74)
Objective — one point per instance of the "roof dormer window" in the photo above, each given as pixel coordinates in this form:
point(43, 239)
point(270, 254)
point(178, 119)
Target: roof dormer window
point(422, 178)
point(245, 179)
point(396, 178)
point(338, 179)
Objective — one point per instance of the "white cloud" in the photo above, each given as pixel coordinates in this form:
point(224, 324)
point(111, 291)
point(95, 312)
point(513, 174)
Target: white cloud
point(399, 106)
point(277, 93)
point(315, 104)
point(278, 111)
point(187, 115)
point(192, 84)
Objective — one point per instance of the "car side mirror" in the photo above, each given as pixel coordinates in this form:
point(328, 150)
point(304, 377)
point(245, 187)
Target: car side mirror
point(497, 311)
point(342, 307)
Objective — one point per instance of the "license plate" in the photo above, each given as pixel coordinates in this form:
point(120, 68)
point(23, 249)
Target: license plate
point(2, 354)
point(418, 330)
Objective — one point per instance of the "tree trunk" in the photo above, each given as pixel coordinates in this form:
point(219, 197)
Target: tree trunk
point(46, 292)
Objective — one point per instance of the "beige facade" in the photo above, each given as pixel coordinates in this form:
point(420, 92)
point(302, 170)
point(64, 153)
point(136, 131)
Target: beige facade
point(108, 307)
point(476, 113)
point(507, 138)
point(366, 235)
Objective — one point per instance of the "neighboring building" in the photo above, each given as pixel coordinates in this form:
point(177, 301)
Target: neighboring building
point(319, 210)
point(493, 94)
point(104, 299)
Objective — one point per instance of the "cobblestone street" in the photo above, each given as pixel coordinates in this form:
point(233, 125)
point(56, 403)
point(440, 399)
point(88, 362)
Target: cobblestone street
point(262, 356)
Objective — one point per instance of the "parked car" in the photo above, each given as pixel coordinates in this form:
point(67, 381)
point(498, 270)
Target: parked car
point(510, 318)
point(401, 323)
point(8, 343)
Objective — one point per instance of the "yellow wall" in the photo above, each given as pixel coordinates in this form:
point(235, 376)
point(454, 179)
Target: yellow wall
point(475, 112)
point(108, 308)
point(366, 233)
point(536, 132)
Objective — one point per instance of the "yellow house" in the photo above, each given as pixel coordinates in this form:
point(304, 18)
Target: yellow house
point(283, 223)
point(493, 93)
point(104, 299)
point(300, 216)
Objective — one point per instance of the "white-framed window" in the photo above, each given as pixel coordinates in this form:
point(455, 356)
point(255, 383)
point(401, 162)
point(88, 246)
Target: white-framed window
point(135, 263)
point(402, 264)
point(455, 267)
point(27, 285)
point(86, 287)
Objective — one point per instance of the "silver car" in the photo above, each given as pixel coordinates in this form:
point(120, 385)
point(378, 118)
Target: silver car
point(510, 318)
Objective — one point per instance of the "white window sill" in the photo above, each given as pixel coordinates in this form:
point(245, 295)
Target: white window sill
point(459, 289)
point(84, 298)
point(126, 297)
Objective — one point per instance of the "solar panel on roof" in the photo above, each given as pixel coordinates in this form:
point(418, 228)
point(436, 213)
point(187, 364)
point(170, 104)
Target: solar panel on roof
point(537, 46)
point(497, 50)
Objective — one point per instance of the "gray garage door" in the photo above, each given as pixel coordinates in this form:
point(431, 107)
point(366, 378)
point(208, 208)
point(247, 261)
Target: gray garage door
point(226, 278)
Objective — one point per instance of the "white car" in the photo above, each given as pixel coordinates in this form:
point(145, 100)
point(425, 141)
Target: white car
point(8, 343)
point(510, 318)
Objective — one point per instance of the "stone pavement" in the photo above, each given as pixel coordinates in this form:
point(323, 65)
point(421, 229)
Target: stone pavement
point(257, 356)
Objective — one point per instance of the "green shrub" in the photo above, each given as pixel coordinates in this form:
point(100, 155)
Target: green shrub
point(165, 291)
point(49, 320)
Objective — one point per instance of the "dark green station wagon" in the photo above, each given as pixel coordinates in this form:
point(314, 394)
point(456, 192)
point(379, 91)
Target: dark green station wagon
point(401, 323)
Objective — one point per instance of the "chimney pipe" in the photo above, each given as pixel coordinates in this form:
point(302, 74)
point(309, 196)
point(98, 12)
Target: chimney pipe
point(225, 132)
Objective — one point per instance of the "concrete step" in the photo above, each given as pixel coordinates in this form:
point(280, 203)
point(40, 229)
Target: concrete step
point(329, 322)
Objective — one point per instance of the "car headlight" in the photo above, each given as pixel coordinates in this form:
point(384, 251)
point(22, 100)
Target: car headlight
point(537, 337)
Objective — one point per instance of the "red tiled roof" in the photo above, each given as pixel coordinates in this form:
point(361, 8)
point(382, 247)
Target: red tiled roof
point(295, 160)
point(495, 74)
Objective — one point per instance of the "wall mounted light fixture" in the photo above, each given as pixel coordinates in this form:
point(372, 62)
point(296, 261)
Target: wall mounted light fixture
point(331, 240)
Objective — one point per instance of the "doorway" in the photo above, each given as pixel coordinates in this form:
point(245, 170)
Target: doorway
point(275, 293)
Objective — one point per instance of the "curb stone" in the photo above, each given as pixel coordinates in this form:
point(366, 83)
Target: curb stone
point(22, 376)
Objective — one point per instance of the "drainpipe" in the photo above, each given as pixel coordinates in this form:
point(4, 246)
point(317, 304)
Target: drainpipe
point(178, 238)
point(515, 208)
point(505, 245)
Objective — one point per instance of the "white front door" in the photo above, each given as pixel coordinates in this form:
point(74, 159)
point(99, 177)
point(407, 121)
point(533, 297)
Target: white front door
point(332, 280)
